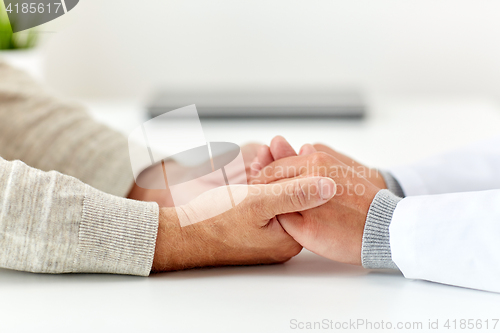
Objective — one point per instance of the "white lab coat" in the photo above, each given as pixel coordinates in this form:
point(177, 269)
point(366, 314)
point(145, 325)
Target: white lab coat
point(447, 229)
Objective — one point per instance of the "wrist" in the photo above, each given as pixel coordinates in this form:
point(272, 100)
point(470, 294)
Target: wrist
point(179, 247)
point(379, 180)
point(136, 193)
point(376, 247)
point(152, 187)
point(358, 224)
point(391, 183)
point(169, 242)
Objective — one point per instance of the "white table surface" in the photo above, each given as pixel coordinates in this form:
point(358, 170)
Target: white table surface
point(308, 288)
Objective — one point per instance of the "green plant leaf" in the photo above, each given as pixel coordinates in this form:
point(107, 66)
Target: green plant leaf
point(10, 41)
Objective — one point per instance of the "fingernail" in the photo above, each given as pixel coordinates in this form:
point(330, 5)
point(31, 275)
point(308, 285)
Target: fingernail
point(327, 188)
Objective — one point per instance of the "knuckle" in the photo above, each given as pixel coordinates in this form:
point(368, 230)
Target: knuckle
point(298, 198)
point(322, 147)
point(336, 170)
point(261, 208)
point(320, 158)
point(267, 174)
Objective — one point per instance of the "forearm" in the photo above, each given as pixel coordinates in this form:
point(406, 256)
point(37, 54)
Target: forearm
point(179, 248)
point(449, 238)
point(48, 133)
point(201, 244)
point(472, 168)
point(52, 223)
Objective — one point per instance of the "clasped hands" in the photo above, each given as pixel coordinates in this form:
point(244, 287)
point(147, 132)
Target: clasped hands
point(317, 199)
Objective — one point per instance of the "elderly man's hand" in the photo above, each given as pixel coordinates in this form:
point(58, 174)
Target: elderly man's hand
point(163, 198)
point(334, 230)
point(246, 234)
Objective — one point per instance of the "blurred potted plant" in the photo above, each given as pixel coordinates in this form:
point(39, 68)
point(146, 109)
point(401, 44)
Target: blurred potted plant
point(18, 49)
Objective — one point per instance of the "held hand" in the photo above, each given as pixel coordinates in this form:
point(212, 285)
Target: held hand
point(334, 230)
point(163, 198)
point(247, 234)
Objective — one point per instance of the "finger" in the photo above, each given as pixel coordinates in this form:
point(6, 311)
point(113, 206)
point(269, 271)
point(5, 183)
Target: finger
point(341, 157)
point(287, 167)
point(325, 148)
point(265, 156)
point(274, 224)
point(307, 149)
point(262, 159)
point(294, 196)
point(255, 167)
point(293, 224)
point(294, 166)
point(249, 152)
point(280, 148)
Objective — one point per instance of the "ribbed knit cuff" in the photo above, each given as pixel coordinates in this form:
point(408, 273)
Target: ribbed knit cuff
point(116, 235)
point(376, 248)
point(392, 184)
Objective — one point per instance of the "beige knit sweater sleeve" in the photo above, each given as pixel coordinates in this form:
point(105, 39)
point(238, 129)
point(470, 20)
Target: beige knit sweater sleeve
point(48, 133)
point(71, 219)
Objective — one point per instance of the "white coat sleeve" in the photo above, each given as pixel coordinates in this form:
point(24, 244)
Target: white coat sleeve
point(449, 238)
point(472, 168)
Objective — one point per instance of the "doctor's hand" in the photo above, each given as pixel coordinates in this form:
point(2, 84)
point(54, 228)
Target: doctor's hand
point(334, 230)
point(163, 198)
point(246, 234)
point(280, 148)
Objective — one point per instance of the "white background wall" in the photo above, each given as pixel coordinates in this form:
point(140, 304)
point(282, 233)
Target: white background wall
point(123, 48)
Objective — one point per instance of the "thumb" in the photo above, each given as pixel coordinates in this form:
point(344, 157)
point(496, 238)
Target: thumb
point(295, 195)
